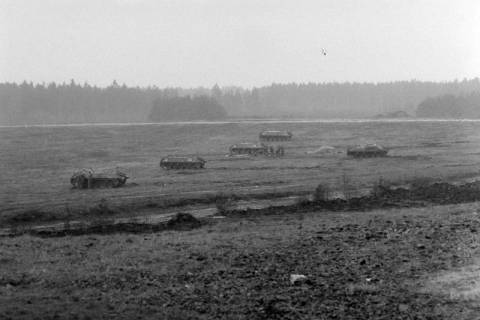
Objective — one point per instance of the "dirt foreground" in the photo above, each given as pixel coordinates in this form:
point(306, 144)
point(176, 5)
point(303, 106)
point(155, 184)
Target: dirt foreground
point(389, 264)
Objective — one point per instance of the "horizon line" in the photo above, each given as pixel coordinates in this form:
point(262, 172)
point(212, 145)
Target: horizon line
point(154, 86)
point(240, 121)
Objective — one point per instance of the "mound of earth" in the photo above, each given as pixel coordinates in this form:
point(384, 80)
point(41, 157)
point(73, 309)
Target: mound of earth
point(183, 221)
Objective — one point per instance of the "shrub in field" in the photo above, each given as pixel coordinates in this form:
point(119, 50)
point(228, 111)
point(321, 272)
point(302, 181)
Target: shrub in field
point(184, 221)
point(66, 225)
point(101, 222)
point(302, 201)
point(379, 187)
point(223, 203)
point(321, 193)
point(14, 230)
point(151, 204)
point(421, 182)
point(346, 187)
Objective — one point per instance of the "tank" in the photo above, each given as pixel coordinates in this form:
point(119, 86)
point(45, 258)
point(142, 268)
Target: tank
point(367, 151)
point(87, 179)
point(180, 162)
point(273, 135)
point(248, 149)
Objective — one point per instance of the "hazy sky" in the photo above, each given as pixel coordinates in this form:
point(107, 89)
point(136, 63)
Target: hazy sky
point(238, 42)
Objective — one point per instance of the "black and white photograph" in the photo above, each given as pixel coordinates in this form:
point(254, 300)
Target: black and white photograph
point(239, 159)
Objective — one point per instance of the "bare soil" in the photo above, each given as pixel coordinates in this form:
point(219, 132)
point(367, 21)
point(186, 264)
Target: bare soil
point(358, 265)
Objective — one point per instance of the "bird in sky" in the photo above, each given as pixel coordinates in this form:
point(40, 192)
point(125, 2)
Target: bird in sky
point(324, 52)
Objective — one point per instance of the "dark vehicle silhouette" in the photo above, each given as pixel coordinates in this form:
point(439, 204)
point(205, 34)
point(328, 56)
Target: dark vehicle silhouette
point(181, 162)
point(367, 151)
point(273, 135)
point(87, 179)
point(247, 148)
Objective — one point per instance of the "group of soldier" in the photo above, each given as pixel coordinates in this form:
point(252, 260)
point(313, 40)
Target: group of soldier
point(279, 151)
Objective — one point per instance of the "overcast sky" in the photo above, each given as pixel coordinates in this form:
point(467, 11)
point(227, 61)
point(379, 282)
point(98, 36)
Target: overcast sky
point(238, 42)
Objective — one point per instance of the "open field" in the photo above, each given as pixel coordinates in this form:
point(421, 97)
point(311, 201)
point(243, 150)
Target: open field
point(37, 162)
point(414, 263)
point(396, 264)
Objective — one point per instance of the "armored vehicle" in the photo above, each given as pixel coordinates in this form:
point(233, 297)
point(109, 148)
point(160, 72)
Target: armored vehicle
point(271, 135)
point(87, 179)
point(180, 162)
point(248, 148)
point(367, 151)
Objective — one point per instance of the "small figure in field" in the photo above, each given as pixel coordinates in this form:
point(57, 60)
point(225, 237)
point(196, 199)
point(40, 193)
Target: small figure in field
point(280, 151)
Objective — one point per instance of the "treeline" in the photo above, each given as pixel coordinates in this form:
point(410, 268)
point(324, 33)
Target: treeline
point(464, 106)
point(29, 103)
point(186, 108)
point(335, 100)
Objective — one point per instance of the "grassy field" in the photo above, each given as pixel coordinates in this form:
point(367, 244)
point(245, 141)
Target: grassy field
point(37, 162)
point(396, 264)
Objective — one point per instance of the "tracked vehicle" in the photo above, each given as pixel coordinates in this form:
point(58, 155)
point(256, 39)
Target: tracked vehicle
point(88, 179)
point(247, 148)
point(273, 135)
point(367, 151)
point(180, 162)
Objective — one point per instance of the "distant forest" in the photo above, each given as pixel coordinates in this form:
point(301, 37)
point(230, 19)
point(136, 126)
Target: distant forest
point(466, 106)
point(29, 103)
point(186, 108)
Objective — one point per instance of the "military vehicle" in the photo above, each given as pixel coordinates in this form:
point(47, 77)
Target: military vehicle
point(181, 162)
point(248, 149)
point(87, 179)
point(367, 151)
point(272, 135)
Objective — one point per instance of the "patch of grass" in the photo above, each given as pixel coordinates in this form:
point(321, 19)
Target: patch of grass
point(26, 153)
point(105, 226)
point(31, 216)
point(102, 209)
point(421, 182)
point(98, 154)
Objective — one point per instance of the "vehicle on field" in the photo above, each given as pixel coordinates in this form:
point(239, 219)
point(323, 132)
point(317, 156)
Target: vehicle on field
point(367, 151)
point(274, 135)
point(88, 179)
point(182, 162)
point(247, 148)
